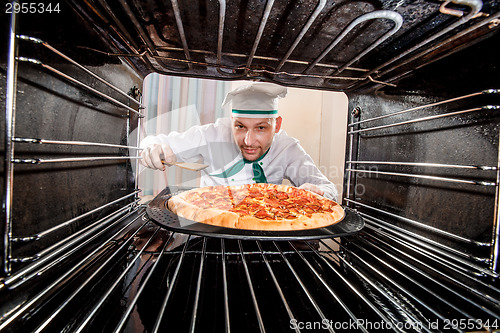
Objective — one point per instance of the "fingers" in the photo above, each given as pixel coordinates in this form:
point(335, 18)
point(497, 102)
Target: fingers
point(312, 188)
point(147, 159)
point(156, 157)
point(144, 157)
point(167, 156)
point(153, 155)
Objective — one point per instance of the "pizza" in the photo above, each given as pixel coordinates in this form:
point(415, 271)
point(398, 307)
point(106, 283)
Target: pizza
point(256, 207)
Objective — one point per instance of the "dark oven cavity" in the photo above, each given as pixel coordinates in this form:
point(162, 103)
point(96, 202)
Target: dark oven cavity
point(81, 254)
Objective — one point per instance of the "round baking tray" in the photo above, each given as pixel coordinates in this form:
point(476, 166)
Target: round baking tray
point(158, 213)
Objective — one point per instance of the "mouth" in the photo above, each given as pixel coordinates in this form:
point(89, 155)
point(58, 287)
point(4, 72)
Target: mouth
point(250, 151)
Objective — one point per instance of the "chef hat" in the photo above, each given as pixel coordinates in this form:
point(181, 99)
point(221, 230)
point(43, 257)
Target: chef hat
point(257, 100)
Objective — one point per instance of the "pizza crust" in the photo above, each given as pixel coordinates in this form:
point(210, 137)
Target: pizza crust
point(223, 218)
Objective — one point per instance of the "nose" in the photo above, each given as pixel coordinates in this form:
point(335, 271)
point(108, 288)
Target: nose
point(249, 138)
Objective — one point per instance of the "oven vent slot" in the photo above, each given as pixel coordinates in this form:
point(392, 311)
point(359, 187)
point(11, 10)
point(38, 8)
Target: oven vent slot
point(43, 154)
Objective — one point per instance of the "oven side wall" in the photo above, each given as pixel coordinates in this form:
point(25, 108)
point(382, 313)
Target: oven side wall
point(458, 196)
point(49, 106)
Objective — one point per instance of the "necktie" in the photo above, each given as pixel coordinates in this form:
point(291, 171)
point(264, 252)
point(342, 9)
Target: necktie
point(258, 172)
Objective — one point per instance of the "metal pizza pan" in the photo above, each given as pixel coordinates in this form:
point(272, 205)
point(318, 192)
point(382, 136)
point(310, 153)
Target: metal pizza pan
point(159, 213)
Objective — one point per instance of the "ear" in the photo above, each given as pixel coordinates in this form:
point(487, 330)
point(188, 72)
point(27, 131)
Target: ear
point(278, 124)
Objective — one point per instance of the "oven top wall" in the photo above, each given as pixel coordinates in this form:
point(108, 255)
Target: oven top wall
point(340, 46)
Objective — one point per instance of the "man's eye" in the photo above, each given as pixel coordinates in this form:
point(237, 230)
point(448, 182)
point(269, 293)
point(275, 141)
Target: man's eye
point(262, 128)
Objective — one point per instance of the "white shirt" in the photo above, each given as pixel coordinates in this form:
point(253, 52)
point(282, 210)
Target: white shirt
point(215, 145)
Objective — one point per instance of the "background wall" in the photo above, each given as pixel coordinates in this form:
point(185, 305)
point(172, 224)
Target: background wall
point(176, 104)
point(318, 119)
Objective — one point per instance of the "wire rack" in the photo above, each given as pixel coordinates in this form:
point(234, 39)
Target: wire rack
point(125, 201)
point(146, 279)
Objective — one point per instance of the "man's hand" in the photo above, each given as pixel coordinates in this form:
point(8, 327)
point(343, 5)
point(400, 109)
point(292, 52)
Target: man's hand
point(312, 188)
point(156, 155)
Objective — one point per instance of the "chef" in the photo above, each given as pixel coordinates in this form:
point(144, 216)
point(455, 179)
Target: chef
point(249, 147)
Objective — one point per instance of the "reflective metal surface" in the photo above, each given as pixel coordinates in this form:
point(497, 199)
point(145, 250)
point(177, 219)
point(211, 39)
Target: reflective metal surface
point(427, 258)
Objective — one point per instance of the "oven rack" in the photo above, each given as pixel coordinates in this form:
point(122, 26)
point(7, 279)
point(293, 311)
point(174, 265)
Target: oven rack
point(428, 177)
point(77, 82)
point(187, 279)
point(420, 107)
point(119, 224)
point(63, 249)
point(443, 251)
point(481, 108)
point(83, 68)
point(460, 270)
point(73, 159)
point(420, 225)
point(10, 240)
point(432, 173)
point(393, 260)
point(73, 220)
point(357, 111)
point(160, 56)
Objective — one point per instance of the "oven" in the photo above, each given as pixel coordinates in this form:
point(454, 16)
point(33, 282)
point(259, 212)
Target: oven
point(81, 253)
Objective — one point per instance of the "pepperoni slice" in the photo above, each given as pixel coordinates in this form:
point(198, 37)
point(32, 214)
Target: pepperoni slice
point(208, 195)
point(255, 194)
point(308, 210)
point(271, 202)
point(314, 207)
point(262, 214)
point(282, 195)
point(240, 212)
point(301, 202)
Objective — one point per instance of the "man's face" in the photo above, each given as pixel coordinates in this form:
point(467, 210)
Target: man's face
point(254, 135)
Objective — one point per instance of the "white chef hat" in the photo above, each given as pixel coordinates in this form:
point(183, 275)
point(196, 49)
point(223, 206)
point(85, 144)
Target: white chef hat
point(257, 100)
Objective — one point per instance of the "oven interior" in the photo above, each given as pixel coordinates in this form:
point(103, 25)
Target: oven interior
point(79, 252)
